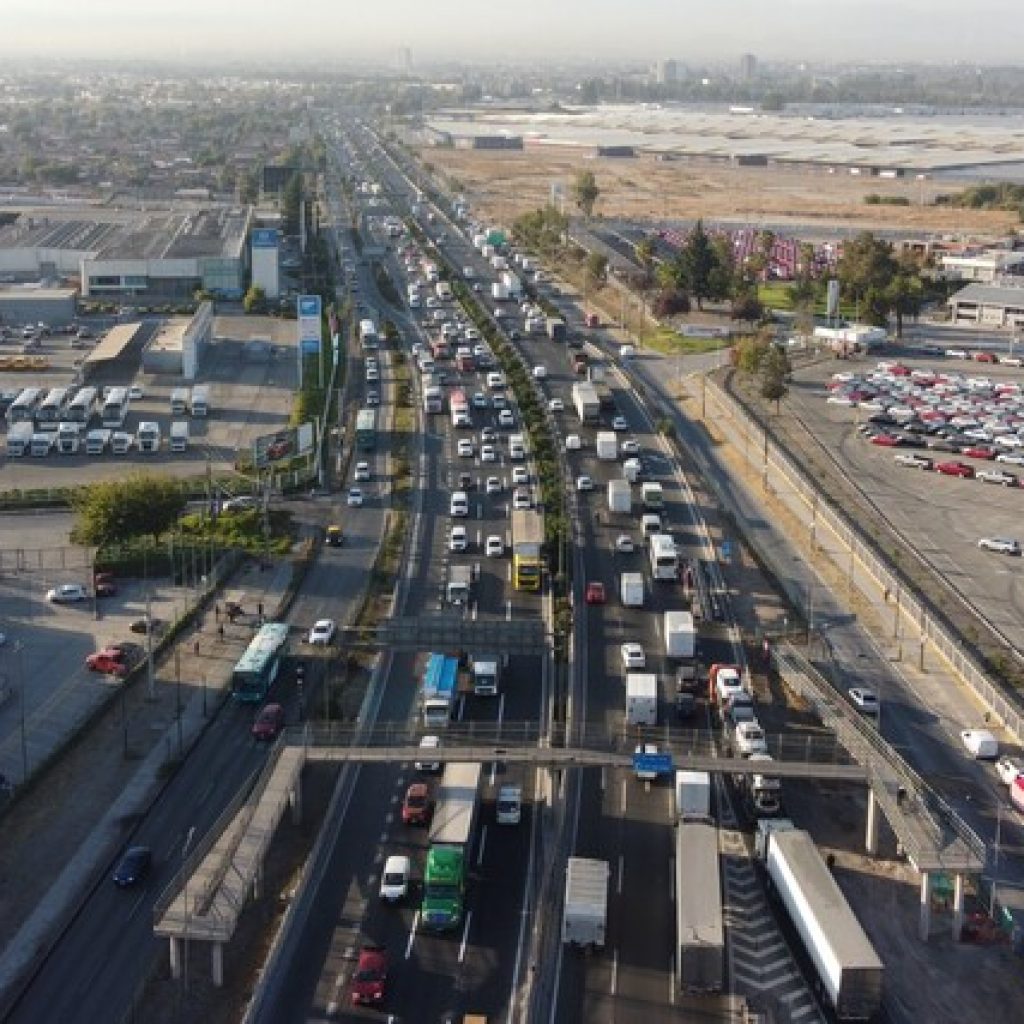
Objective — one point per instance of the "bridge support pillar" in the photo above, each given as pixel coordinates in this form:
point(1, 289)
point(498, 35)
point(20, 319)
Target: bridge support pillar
point(871, 831)
point(958, 906)
point(924, 924)
point(175, 953)
point(217, 963)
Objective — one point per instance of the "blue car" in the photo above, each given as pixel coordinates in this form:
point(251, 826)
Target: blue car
point(133, 867)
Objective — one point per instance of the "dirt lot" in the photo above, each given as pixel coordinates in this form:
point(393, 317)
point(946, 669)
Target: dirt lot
point(502, 185)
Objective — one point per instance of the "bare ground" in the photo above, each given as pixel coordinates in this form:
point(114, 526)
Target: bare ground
point(501, 185)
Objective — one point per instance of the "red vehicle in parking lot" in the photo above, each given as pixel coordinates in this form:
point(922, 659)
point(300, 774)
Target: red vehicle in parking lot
point(978, 451)
point(111, 661)
point(886, 441)
point(986, 357)
point(955, 469)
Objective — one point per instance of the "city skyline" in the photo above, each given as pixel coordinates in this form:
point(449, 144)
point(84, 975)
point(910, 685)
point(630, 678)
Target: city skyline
point(915, 31)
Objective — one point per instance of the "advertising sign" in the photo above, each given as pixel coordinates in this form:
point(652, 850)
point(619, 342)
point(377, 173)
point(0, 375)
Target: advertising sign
point(282, 445)
point(264, 238)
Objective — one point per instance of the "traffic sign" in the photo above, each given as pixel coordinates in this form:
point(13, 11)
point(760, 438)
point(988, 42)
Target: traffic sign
point(654, 764)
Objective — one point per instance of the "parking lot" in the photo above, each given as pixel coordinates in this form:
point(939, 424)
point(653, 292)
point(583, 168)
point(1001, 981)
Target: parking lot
point(868, 421)
point(249, 368)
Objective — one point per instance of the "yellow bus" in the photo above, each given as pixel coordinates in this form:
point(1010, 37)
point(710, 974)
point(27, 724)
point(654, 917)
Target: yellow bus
point(527, 544)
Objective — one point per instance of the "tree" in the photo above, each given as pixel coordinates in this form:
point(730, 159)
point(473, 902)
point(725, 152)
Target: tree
point(905, 292)
point(865, 271)
point(749, 353)
point(596, 268)
point(291, 204)
point(698, 262)
point(143, 505)
point(585, 192)
point(775, 371)
point(644, 252)
point(255, 300)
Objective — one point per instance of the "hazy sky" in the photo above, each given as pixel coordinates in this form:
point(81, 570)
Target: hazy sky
point(929, 31)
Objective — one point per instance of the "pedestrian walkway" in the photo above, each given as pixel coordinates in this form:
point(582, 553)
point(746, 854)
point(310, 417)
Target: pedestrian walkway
point(65, 855)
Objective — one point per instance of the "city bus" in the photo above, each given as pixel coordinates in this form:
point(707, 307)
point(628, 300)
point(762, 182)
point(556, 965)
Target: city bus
point(527, 549)
point(664, 557)
point(23, 408)
point(258, 666)
point(366, 430)
point(83, 406)
point(51, 409)
point(115, 408)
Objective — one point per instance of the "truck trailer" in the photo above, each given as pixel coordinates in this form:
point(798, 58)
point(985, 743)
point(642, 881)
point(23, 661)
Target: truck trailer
point(641, 698)
point(631, 589)
point(620, 497)
point(607, 446)
point(585, 915)
point(680, 636)
point(846, 963)
point(584, 398)
point(700, 939)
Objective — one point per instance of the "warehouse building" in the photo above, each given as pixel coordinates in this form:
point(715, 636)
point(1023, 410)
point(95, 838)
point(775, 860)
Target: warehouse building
point(989, 305)
point(26, 304)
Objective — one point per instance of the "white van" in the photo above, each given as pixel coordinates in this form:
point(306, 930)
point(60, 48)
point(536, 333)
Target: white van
point(573, 442)
point(650, 524)
point(459, 504)
point(517, 447)
point(495, 381)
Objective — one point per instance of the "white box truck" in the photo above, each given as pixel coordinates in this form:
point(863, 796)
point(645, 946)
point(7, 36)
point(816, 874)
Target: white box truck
point(179, 436)
point(680, 635)
point(586, 902)
point(19, 439)
point(620, 497)
point(631, 589)
point(641, 698)
point(693, 796)
point(607, 446)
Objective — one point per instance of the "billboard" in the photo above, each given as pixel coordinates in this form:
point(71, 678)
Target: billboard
point(264, 238)
point(282, 445)
point(832, 308)
point(309, 307)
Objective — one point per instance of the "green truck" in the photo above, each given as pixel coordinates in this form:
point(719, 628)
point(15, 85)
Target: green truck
point(451, 835)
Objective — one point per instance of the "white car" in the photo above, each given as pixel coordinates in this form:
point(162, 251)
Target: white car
point(465, 448)
point(488, 453)
point(584, 483)
point(243, 503)
point(750, 739)
point(493, 485)
point(494, 547)
point(556, 405)
point(540, 373)
point(362, 471)
point(1001, 545)
point(996, 476)
point(479, 400)
point(394, 880)
point(136, 393)
point(633, 656)
point(506, 418)
point(427, 744)
point(864, 700)
point(322, 633)
point(520, 475)
point(1008, 768)
point(459, 539)
point(619, 423)
point(630, 447)
point(355, 497)
point(956, 353)
point(521, 498)
point(913, 460)
point(1011, 458)
point(67, 593)
point(624, 544)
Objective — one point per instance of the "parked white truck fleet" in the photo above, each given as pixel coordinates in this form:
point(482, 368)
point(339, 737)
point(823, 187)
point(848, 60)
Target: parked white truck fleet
point(586, 902)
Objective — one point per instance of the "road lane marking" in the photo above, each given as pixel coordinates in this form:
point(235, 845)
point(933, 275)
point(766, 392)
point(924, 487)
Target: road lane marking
point(622, 869)
point(465, 937)
point(412, 934)
point(615, 971)
point(622, 805)
point(483, 843)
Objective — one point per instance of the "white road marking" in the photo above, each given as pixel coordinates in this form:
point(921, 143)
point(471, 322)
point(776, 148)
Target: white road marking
point(622, 870)
point(465, 937)
point(615, 971)
point(412, 934)
point(483, 843)
point(622, 804)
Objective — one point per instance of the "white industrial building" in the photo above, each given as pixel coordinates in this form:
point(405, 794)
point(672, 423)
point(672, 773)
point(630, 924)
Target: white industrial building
point(985, 267)
point(989, 305)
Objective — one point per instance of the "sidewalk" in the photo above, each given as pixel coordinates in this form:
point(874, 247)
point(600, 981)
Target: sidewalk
point(72, 822)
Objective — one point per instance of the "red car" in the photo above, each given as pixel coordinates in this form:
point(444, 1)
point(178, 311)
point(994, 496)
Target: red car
point(955, 469)
point(416, 805)
point(595, 593)
point(369, 983)
point(111, 661)
point(986, 357)
point(269, 722)
point(886, 441)
point(978, 451)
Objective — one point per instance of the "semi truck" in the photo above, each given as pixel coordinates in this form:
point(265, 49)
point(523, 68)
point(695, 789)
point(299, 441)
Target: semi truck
point(847, 966)
point(499, 292)
point(680, 636)
point(440, 688)
point(451, 833)
point(19, 439)
point(652, 496)
point(641, 698)
point(620, 497)
point(607, 446)
point(584, 398)
point(700, 939)
point(585, 916)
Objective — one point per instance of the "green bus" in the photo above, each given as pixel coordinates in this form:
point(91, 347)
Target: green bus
point(366, 430)
point(257, 668)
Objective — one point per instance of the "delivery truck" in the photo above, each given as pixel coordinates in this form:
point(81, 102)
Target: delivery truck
point(586, 903)
point(620, 497)
point(700, 935)
point(631, 589)
point(847, 966)
point(641, 698)
point(680, 635)
point(608, 446)
point(586, 402)
point(460, 584)
point(693, 795)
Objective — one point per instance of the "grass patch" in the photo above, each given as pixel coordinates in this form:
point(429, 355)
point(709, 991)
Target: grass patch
point(242, 531)
point(775, 295)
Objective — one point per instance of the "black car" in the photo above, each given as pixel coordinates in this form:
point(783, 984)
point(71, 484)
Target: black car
point(465, 481)
point(133, 867)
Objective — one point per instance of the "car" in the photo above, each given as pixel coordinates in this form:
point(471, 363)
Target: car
point(241, 503)
point(1000, 545)
point(595, 593)
point(646, 749)
point(136, 393)
point(104, 587)
point(955, 353)
point(584, 483)
point(864, 700)
point(147, 624)
point(498, 401)
point(985, 357)
point(355, 497)
point(428, 743)
point(488, 453)
point(110, 661)
point(1011, 458)
point(540, 373)
point(369, 982)
point(67, 593)
point(750, 739)
point(997, 476)
point(913, 460)
point(493, 485)
point(885, 440)
point(458, 539)
point(619, 423)
point(362, 471)
point(494, 547)
point(488, 435)
point(416, 804)
point(978, 451)
point(624, 544)
point(322, 633)
point(279, 449)
point(521, 498)
point(269, 722)
point(133, 867)
point(633, 656)
point(556, 405)
point(520, 475)
point(1008, 768)
point(372, 397)
point(955, 469)
point(394, 879)
point(464, 449)
point(479, 400)
point(506, 418)
point(335, 536)
point(630, 447)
